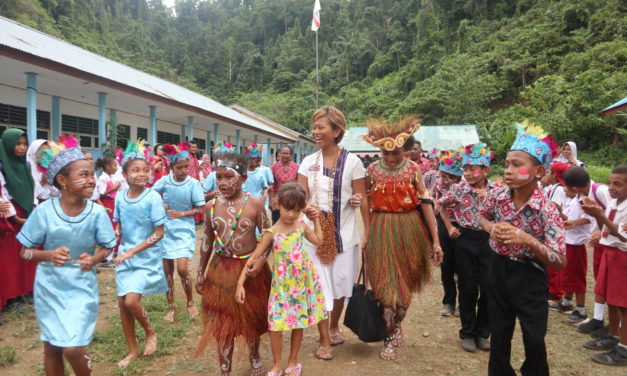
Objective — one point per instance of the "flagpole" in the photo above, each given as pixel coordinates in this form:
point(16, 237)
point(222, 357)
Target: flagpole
point(317, 71)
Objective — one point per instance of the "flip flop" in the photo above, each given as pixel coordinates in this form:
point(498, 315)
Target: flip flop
point(324, 353)
point(297, 368)
point(337, 338)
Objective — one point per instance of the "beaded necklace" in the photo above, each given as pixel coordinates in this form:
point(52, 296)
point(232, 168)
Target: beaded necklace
point(223, 249)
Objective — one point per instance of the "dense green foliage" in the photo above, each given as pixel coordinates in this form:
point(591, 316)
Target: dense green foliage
point(487, 62)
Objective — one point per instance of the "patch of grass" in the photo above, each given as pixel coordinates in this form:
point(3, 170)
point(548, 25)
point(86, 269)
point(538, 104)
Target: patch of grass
point(110, 346)
point(25, 331)
point(8, 356)
point(599, 174)
point(22, 312)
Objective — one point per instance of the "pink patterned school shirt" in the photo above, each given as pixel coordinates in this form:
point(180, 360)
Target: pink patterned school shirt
point(465, 203)
point(538, 217)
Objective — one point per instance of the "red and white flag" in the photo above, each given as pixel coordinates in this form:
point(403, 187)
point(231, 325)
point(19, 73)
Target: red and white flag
point(315, 21)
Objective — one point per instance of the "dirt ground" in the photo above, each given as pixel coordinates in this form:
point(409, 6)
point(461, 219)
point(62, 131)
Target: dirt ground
point(432, 346)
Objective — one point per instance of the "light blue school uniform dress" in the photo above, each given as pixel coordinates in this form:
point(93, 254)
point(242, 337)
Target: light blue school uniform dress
point(142, 273)
point(210, 184)
point(256, 182)
point(180, 233)
point(66, 298)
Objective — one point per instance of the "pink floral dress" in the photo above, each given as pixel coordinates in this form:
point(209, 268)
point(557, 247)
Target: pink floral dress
point(296, 299)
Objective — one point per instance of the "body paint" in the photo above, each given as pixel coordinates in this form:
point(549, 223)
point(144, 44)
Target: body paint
point(522, 174)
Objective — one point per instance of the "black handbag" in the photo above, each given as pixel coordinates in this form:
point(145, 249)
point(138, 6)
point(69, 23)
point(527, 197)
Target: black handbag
point(363, 315)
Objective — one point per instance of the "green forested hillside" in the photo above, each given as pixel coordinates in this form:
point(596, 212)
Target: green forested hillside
point(488, 62)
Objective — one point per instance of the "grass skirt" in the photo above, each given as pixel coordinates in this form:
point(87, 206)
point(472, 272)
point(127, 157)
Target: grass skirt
point(223, 317)
point(397, 256)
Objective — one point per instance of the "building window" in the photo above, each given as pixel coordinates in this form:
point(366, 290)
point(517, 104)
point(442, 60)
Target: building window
point(16, 116)
point(165, 137)
point(84, 129)
point(124, 135)
point(142, 133)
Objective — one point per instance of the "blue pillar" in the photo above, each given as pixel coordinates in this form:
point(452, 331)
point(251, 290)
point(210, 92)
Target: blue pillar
point(182, 133)
point(238, 139)
point(228, 139)
point(297, 151)
point(55, 118)
point(216, 134)
point(256, 138)
point(31, 107)
point(152, 128)
point(209, 142)
point(190, 128)
point(102, 120)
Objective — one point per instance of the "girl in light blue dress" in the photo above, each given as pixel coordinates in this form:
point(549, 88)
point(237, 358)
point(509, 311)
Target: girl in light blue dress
point(183, 198)
point(140, 216)
point(76, 234)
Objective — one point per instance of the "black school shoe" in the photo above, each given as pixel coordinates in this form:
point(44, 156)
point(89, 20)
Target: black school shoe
point(600, 333)
point(606, 343)
point(590, 326)
point(615, 357)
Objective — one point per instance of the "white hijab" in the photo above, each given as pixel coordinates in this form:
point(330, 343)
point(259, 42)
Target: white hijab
point(41, 192)
point(573, 151)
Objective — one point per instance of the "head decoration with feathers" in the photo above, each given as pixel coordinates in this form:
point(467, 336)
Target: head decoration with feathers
point(451, 162)
point(133, 151)
point(254, 150)
point(64, 152)
point(476, 154)
point(533, 140)
point(390, 137)
point(177, 153)
point(223, 147)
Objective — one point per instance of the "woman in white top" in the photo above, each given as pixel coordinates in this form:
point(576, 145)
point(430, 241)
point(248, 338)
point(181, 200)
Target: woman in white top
point(335, 182)
point(569, 155)
point(43, 189)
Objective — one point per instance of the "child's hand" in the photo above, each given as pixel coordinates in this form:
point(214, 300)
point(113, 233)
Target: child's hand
point(60, 256)
point(508, 233)
point(121, 257)
point(594, 238)
point(437, 254)
point(253, 266)
point(481, 192)
point(117, 233)
point(624, 227)
point(86, 262)
point(454, 233)
point(200, 281)
point(355, 200)
point(311, 210)
point(569, 225)
point(174, 214)
point(240, 294)
point(591, 208)
point(5, 207)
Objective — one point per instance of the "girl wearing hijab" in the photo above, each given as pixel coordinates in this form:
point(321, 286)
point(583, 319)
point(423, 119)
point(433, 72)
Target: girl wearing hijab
point(35, 154)
point(569, 155)
point(16, 274)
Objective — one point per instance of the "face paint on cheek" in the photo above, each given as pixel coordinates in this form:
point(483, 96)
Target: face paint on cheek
point(522, 174)
point(476, 173)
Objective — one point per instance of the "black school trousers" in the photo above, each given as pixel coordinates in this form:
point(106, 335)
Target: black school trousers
point(517, 289)
point(447, 268)
point(473, 258)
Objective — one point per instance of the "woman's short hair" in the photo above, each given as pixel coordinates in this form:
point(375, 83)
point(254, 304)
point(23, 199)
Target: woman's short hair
point(336, 119)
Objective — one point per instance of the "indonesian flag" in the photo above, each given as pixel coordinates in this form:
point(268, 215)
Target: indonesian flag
point(315, 21)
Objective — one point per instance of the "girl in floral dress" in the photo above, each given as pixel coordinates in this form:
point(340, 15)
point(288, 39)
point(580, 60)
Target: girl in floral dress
point(296, 299)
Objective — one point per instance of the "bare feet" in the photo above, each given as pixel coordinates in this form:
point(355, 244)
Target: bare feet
point(337, 338)
point(151, 343)
point(169, 317)
point(124, 362)
point(191, 309)
point(387, 353)
point(399, 339)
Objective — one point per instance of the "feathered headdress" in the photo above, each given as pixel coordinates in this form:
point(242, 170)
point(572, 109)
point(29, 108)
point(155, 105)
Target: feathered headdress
point(254, 150)
point(451, 162)
point(533, 140)
point(177, 153)
point(476, 154)
point(433, 154)
point(223, 147)
point(390, 137)
point(64, 152)
point(133, 151)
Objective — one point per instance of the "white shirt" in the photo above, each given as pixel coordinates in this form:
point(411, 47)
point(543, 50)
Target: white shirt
point(555, 193)
point(603, 195)
point(353, 170)
point(620, 218)
point(580, 234)
point(4, 195)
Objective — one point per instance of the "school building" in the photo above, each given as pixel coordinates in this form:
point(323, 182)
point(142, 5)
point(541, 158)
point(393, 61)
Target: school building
point(50, 87)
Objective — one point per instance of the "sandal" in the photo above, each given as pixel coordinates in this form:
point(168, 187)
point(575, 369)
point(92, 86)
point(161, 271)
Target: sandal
point(337, 338)
point(270, 373)
point(297, 369)
point(324, 353)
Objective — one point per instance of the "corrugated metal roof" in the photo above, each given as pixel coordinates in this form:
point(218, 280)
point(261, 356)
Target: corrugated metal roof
point(621, 104)
point(31, 41)
point(430, 136)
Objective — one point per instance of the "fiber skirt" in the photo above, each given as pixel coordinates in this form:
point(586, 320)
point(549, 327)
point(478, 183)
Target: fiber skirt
point(223, 317)
point(397, 256)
